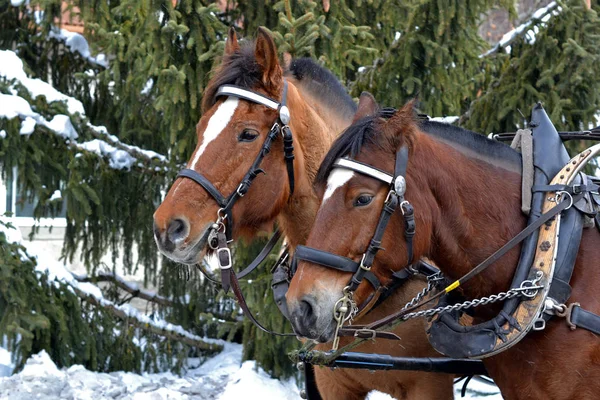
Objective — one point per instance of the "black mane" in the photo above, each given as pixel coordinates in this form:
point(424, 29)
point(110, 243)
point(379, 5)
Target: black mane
point(322, 84)
point(241, 69)
point(365, 132)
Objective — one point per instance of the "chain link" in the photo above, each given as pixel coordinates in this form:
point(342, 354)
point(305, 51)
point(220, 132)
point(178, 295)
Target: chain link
point(472, 303)
point(431, 283)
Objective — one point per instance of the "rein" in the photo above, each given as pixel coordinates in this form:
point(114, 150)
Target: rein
point(221, 230)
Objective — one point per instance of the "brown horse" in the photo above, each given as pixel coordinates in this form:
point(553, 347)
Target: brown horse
point(230, 134)
point(466, 192)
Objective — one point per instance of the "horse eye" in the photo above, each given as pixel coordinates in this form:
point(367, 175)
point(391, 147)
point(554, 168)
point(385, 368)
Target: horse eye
point(247, 135)
point(362, 200)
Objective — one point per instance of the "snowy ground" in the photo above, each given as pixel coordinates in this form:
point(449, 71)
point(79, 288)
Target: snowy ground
point(222, 377)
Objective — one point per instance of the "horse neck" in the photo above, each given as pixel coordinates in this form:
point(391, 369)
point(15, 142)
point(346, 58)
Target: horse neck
point(314, 128)
point(474, 210)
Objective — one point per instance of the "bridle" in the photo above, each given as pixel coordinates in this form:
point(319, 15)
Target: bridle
point(345, 308)
point(220, 234)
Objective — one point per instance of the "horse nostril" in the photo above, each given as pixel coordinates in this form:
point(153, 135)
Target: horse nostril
point(307, 311)
point(177, 231)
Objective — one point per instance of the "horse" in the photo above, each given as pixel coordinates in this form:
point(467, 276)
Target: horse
point(230, 134)
point(466, 192)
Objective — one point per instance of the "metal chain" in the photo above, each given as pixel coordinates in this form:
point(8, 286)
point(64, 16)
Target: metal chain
point(528, 289)
point(472, 303)
point(431, 283)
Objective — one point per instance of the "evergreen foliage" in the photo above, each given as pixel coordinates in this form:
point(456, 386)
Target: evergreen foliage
point(39, 313)
point(557, 67)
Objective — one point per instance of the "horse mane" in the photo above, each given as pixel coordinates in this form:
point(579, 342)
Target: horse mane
point(322, 84)
point(366, 131)
point(241, 69)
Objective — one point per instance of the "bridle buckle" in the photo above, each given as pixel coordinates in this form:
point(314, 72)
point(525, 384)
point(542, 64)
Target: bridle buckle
point(362, 264)
point(365, 334)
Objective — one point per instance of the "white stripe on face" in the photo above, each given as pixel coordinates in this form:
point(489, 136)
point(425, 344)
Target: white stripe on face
point(215, 125)
point(337, 178)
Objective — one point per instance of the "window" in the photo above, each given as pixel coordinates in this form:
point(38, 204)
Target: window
point(22, 209)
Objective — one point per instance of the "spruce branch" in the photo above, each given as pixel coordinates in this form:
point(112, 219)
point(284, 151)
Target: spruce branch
point(122, 284)
point(166, 331)
point(510, 37)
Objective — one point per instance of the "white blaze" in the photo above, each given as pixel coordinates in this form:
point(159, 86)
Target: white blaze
point(337, 178)
point(215, 125)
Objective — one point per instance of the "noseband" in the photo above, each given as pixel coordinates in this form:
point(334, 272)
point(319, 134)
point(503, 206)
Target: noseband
point(345, 308)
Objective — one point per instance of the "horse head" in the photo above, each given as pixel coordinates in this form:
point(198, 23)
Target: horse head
point(231, 133)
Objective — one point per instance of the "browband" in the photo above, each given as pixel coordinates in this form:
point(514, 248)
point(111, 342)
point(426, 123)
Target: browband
point(363, 169)
point(231, 90)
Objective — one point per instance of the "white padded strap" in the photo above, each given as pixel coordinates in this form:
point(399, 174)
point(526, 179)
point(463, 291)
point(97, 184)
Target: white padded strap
point(364, 169)
point(230, 90)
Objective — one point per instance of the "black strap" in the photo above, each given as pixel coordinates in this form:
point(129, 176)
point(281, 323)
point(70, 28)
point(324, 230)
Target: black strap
point(244, 306)
point(334, 261)
point(581, 318)
point(288, 154)
point(571, 189)
point(264, 253)
point(205, 183)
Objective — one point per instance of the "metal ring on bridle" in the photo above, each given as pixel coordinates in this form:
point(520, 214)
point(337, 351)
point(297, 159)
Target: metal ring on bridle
point(284, 115)
point(402, 204)
point(560, 194)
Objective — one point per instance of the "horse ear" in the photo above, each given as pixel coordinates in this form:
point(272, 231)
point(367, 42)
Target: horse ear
point(367, 106)
point(231, 45)
point(266, 56)
point(402, 125)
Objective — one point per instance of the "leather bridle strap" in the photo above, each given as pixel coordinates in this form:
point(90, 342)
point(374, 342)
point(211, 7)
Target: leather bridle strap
point(334, 261)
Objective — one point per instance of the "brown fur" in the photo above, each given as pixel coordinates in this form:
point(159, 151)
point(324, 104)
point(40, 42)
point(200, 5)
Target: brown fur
point(465, 209)
point(314, 125)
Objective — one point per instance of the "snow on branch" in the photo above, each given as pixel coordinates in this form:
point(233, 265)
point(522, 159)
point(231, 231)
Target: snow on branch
point(92, 294)
point(120, 155)
point(542, 15)
point(128, 287)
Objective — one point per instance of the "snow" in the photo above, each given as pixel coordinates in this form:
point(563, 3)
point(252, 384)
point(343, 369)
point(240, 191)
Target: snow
point(543, 15)
point(12, 106)
point(445, 120)
point(6, 365)
point(222, 377)
point(117, 158)
point(27, 126)
point(11, 67)
point(78, 44)
point(57, 195)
